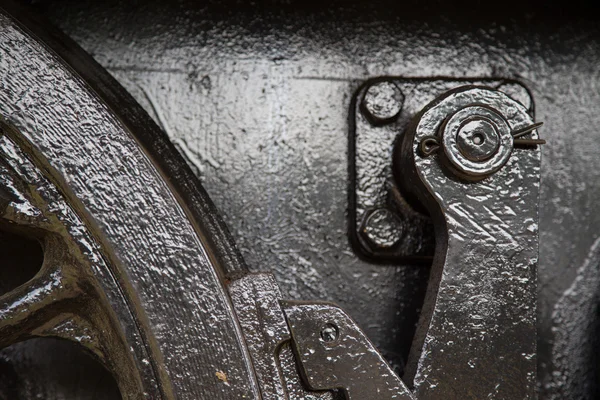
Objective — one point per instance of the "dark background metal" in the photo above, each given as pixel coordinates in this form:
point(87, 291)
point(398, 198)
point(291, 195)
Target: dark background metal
point(256, 96)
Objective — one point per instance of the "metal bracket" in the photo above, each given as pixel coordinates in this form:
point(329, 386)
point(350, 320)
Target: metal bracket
point(388, 225)
point(479, 316)
point(335, 353)
point(472, 159)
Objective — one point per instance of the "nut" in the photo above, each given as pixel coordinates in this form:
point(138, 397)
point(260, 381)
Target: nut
point(477, 141)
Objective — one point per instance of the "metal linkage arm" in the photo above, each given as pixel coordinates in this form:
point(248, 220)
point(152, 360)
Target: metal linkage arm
point(335, 353)
point(471, 158)
point(477, 334)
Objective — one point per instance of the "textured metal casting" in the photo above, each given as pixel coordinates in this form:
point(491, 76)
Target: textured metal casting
point(334, 353)
point(256, 298)
point(382, 102)
point(477, 332)
point(256, 100)
point(386, 224)
point(479, 317)
point(159, 250)
point(71, 296)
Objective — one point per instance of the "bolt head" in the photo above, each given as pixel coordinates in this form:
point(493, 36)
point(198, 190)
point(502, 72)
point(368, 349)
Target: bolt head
point(382, 228)
point(477, 139)
point(382, 103)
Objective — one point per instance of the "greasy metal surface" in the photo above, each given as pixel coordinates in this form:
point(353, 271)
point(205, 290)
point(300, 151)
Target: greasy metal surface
point(72, 296)
point(471, 165)
point(335, 353)
point(256, 300)
point(159, 257)
point(479, 316)
point(407, 234)
point(257, 98)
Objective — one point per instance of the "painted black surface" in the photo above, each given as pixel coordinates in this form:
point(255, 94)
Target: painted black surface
point(256, 96)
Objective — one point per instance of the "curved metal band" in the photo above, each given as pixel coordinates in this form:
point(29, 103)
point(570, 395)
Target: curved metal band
point(157, 228)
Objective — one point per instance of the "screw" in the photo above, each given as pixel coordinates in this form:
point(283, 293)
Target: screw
point(382, 228)
point(382, 103)
point(329, 333)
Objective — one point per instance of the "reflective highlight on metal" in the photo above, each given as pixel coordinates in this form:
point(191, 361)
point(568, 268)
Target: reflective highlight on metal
point(406, 233)
point(345, 360)
point(256, 298)
point(479, 317)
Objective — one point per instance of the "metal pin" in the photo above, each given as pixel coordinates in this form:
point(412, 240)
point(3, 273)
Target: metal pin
point(429, 145)
point(529, 142)
point(525, 131)
point(522, 132)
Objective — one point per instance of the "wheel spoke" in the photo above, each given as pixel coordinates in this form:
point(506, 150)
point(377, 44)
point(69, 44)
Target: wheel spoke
point(33, 305)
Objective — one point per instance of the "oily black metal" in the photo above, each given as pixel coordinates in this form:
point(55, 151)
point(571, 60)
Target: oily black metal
point(256, 298)
point(387, 225)
point(127, 232)
point(333, 352)
point(271, 83)
point(479, 317)
point(64, 299)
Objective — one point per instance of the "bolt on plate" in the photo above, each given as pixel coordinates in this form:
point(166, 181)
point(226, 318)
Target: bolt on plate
point(386, 224)
point(382, 102)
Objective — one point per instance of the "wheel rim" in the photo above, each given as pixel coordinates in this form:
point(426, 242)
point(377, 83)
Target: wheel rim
point(156, 265)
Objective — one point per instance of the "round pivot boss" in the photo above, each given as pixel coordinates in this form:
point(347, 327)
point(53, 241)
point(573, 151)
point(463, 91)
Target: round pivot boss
point(477, 140)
